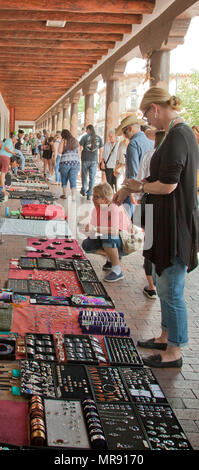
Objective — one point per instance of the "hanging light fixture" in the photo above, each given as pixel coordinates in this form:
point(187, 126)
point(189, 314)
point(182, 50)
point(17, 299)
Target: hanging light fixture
point(55, 23)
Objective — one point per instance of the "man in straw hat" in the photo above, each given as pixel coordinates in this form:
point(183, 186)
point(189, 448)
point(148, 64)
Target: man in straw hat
point(138, 145)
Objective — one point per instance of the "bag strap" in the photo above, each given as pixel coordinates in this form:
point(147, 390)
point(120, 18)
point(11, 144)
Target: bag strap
point(109, 154)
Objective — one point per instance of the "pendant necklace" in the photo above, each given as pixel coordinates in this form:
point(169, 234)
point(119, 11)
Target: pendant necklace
point(166, 133)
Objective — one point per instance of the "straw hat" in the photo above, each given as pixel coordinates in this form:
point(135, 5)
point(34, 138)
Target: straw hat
point(128, 121)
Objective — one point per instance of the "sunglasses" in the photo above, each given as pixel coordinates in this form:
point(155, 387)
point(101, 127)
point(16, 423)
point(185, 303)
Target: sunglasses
point(125, 130)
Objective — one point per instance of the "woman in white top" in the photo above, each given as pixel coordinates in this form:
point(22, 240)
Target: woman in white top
point(120, 166)
point(109, 157)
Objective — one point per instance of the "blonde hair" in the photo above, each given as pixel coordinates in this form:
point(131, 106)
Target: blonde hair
point(159, 96)
point(104, 190)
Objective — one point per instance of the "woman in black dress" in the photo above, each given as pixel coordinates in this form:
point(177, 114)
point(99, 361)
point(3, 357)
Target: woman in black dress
point(172, 190)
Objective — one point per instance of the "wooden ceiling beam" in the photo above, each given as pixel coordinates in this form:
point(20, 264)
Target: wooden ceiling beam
point(31, 88)
point(65, 62)
point(57, 74)
point(49, 36)
point(20, 51)
point(43, 78)
point(95, 28)
point(31, 102)
point(46, 71)
point(60, 45)
point(111, 18)
point(15, 65)
point(80, 6)
point(65, 71)
point(37, 84)
point(34, 98)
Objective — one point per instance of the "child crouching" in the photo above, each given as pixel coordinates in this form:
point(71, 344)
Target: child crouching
point(107, 219)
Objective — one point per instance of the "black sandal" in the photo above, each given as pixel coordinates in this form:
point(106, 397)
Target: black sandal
point(156, 361)
point(150, 344)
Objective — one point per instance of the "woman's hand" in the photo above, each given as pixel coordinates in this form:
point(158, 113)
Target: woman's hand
point(120, 196)
point(132, 185)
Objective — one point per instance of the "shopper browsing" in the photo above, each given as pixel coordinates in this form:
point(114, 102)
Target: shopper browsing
point(107, 219)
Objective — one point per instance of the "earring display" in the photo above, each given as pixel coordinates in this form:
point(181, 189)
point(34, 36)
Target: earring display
point(86, 276)
point(72, 382)
point(142, 385)
point(83, 265)
point(64, 264)
point(122, 429)
point(39, 287)
point(122, 351)
point(29, 286)
point(40, 195)
point(46, 264)
point(88, 279)
point(18, 286)
point(94, 288)
point(107, 384)
point(65, 424)
point(38, 378)
point(40, 347)
point(162, 427)
point(85, 349)
point(85, 271)
point(103, 322)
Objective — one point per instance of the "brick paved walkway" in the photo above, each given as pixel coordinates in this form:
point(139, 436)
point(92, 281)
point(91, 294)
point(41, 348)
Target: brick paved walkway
point(142, 315)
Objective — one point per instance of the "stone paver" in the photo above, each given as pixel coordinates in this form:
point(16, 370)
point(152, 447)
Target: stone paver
point(142, 315)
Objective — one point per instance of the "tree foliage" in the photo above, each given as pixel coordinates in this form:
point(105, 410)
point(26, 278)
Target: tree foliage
point(81, 104)
point(188, 92)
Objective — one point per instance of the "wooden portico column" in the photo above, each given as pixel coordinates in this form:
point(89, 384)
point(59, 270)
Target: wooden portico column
point(74, 115)
point(160, 68)
point(53, 123)
point(50, 123)
point(66, 119)
point(89, 92)
point(59, 119)
point(112, 96)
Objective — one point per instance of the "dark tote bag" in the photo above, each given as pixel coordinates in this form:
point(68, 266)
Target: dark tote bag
point(141, 204)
